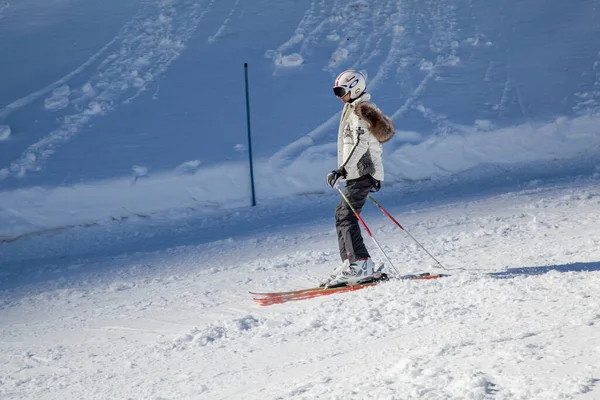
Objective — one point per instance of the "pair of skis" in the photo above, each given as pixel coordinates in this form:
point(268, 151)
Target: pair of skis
point(265, 299)
point(270, 298)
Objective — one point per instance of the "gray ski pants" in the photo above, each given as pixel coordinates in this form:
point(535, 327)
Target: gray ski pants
point(350, 240)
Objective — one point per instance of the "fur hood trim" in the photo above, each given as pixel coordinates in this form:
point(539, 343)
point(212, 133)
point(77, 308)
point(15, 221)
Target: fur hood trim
point(381, 126)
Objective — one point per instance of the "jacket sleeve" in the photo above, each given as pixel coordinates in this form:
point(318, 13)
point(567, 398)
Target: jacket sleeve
point(359, 131)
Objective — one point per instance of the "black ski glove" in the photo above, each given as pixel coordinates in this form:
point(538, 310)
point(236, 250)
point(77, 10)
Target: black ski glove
point(335, 176)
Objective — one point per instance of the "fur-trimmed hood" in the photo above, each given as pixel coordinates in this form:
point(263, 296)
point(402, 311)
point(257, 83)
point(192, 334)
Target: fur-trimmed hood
point(381, 126)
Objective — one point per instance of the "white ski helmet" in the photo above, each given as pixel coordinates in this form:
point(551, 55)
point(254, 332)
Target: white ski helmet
point(350, 81)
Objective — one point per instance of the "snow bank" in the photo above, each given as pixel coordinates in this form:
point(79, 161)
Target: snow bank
point(559, 139)
point(189, 186)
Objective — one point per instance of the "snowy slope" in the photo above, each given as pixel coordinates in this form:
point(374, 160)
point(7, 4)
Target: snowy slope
point(127, 246)
point(115, 108)
point(120, 316)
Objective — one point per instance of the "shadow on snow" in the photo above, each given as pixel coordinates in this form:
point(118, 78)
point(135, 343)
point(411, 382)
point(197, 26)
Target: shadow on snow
point(573, 267)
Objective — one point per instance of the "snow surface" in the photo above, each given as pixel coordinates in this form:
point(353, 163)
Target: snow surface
point(127, 244)
point(94, 91)
point(159, 309)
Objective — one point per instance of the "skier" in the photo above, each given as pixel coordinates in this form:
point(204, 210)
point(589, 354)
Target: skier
point(362, 130)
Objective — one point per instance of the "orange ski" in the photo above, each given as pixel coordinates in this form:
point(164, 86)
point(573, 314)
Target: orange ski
point(269, 298)
point(308, 294)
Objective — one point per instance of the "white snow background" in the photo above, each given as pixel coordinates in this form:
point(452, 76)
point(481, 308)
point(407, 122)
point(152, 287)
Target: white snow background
point(127, 240)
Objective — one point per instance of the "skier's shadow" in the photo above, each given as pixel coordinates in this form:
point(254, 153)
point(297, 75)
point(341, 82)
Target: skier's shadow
point(574, 267)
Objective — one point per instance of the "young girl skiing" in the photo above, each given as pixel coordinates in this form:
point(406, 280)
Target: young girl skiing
point(362, 130)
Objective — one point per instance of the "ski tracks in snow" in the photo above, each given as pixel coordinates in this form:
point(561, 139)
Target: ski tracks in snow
point(385, 39)
point(223, 27)
point(139, 55)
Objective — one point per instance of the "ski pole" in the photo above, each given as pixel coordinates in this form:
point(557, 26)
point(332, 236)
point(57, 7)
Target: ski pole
point(368, 231)
point(407, 232)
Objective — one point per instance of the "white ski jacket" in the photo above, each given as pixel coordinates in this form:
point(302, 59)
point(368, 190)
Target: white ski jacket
point(363, 128)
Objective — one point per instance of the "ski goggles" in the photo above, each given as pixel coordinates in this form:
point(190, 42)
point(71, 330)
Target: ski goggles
point(340, 91)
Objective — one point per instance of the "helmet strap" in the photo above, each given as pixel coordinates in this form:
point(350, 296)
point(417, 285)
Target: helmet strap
point(353, 100)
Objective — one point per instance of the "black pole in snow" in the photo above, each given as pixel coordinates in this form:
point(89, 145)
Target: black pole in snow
point(249, 135)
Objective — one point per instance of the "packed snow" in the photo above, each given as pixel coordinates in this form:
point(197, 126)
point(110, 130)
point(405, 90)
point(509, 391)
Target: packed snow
point(128, 246)
point(159, 308)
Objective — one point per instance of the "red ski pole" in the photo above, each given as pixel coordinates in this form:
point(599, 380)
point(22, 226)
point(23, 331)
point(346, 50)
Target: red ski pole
point(407, 232)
